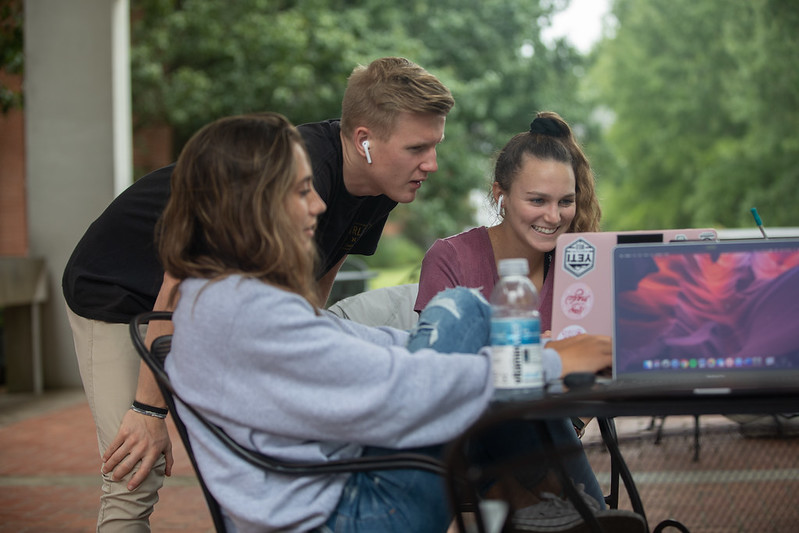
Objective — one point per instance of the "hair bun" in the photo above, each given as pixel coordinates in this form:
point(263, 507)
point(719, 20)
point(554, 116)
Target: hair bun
point(549, 126)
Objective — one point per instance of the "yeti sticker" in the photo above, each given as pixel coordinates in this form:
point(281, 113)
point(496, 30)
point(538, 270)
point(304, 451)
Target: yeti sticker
point(578, 257)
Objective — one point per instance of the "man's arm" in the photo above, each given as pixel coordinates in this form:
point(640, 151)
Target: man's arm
point(147, 391)
point(325, 283)
point(140, 437)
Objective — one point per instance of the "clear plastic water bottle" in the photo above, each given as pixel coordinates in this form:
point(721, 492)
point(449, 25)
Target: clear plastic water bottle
point(515, 334)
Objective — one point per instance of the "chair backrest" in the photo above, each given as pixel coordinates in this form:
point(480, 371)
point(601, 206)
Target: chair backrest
point(386, 306)
point(155, 357)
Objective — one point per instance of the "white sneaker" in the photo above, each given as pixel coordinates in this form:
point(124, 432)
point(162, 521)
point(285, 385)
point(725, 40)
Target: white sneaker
point(554, 514)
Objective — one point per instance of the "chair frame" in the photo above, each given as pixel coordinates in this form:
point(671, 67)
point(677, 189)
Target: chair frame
point(155, 357)
point(459, 465)
point(468, 475)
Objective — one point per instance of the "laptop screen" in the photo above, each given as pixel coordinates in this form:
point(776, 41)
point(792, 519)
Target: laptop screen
point(706, 308)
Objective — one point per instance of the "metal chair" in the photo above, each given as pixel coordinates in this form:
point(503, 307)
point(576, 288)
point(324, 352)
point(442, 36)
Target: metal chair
point(658, 428)
point(386, 306)
point(472, 476)
point(393, 306)
point(475, 475)
point(154, 359)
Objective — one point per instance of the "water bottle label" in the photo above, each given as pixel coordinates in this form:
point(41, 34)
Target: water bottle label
point(514, 331)
point(517, 367)
point(516, 353)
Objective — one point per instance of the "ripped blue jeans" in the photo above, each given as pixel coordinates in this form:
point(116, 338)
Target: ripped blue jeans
point(454, 321)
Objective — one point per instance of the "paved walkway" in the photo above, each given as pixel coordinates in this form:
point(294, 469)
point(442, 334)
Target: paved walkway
point(49, 471)
point(49, 479)
point(737, 485)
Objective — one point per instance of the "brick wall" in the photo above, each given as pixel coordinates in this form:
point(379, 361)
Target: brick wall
point(13, 204)
point(152, 149)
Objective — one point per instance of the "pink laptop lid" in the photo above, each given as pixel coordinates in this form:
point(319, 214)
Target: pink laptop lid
point(583, 269)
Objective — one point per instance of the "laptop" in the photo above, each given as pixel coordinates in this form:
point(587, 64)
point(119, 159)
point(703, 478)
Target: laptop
point(582, 298)
point(716, 317)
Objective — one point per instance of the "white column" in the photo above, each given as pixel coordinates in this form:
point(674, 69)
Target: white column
point(78, 141)
point(121, 114)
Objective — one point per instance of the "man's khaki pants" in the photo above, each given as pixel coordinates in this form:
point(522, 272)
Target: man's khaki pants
point(109, 369)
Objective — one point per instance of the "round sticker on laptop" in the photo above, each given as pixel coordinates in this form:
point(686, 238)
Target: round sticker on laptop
point(571, 331)
point(577, 301)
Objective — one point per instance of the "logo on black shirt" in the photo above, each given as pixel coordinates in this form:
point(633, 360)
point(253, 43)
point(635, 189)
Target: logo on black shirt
point(354, 235)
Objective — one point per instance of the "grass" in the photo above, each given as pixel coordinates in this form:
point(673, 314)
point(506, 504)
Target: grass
point(389, 277)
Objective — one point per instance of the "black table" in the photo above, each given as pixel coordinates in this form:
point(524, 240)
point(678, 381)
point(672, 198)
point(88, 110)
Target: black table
point(604, 402)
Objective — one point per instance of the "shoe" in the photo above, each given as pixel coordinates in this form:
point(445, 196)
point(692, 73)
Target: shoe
point(554, 514)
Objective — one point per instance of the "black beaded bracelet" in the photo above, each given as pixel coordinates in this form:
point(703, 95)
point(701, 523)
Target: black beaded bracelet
point(149, 410)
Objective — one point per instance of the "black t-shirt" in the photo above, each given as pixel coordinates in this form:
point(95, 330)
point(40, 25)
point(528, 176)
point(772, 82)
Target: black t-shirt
point(114, 272)
point(351, 224)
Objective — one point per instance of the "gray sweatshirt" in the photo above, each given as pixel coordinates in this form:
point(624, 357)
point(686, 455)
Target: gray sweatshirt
point(257, 361)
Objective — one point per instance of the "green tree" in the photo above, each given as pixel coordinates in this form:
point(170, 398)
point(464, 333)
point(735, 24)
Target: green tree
point(196, 60)
point(760, 167)
point(490, 54)
point(11, 51)
point(704, 100)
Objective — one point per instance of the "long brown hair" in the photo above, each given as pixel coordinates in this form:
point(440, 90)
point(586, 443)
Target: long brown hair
point(226, 213)
point(551, 138)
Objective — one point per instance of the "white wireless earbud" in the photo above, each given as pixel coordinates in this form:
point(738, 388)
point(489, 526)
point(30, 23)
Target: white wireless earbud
point(499, 205)
point(365, 145)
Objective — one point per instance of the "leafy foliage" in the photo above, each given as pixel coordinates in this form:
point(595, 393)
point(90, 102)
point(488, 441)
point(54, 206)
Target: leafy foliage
point(196, 60)
point(11, 51)
point(394, 251)
point(688, 112)
point(705, 97)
